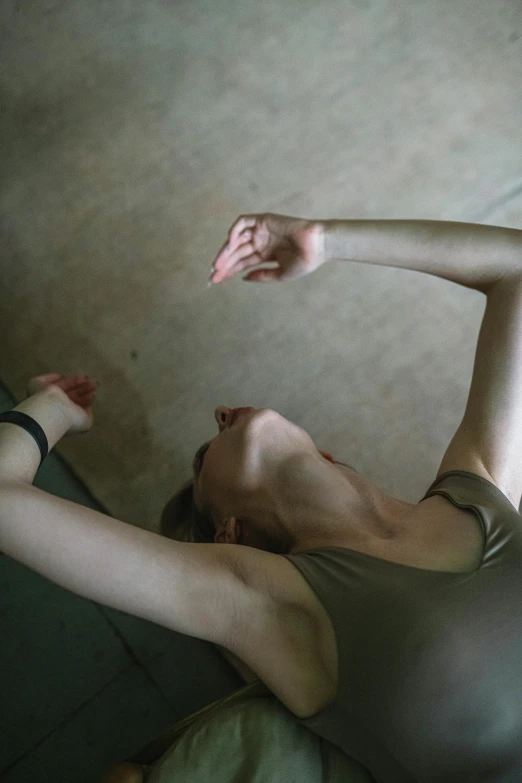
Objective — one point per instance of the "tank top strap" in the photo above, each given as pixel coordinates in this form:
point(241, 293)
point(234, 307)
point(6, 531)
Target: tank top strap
point(499, 518)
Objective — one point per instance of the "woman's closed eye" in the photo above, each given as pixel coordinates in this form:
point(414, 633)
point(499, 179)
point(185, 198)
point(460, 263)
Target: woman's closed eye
point(199, 456)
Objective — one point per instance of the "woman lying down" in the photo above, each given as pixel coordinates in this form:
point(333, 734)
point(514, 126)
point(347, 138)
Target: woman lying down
point(390, 629)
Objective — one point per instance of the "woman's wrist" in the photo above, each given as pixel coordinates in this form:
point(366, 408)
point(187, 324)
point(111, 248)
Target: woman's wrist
point(58, 402)
point(19, 453)
point(335, 239)
point(51, 411)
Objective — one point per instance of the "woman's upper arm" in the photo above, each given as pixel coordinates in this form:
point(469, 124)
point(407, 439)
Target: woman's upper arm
point(194, 589)
point(488, 441)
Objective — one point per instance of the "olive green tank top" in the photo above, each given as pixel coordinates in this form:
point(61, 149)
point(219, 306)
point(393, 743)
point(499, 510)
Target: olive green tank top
point(430, 662)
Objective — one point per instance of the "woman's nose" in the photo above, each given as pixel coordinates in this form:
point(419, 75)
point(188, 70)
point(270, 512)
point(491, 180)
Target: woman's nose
point(220, 415)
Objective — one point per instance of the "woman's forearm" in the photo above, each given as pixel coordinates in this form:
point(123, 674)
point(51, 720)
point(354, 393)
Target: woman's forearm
point(469, 254)
point(19, 452)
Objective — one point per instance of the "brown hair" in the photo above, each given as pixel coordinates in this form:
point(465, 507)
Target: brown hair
point(182, 520)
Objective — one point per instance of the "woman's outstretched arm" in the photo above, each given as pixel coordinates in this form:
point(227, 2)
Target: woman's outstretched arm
point(470, 254)
point(488, 441)
point(200, 590)
point(80, 549)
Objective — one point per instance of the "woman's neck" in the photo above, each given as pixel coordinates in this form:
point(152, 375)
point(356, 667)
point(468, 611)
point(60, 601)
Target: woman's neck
point(322, 504)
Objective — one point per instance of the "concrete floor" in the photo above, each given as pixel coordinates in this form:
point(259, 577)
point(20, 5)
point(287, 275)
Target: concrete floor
point(82, 685)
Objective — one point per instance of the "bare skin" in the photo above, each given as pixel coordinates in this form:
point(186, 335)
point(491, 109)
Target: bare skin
point(313, 502)
point(266, 485)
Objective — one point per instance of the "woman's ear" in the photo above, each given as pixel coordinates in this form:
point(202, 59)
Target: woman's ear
point(228, 531)
point(232, 530)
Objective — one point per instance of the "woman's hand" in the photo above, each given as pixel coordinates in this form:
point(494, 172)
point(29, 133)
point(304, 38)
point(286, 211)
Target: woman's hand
point(74, 392)
point(294, 244)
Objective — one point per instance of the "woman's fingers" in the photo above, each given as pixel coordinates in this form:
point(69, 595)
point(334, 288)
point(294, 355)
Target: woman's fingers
point(78, 384)
point(50, 377)
point(71, 381)
point(254, 259)
point(84, 396)
point(244, 222)
point(85, 388)
point(228, 263)
point(222, 259)
point(217, 259)
point(240, 252)
point(265, 275)
point(80, 388)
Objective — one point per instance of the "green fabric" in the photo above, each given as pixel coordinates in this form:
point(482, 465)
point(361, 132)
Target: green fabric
point(251, 737)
